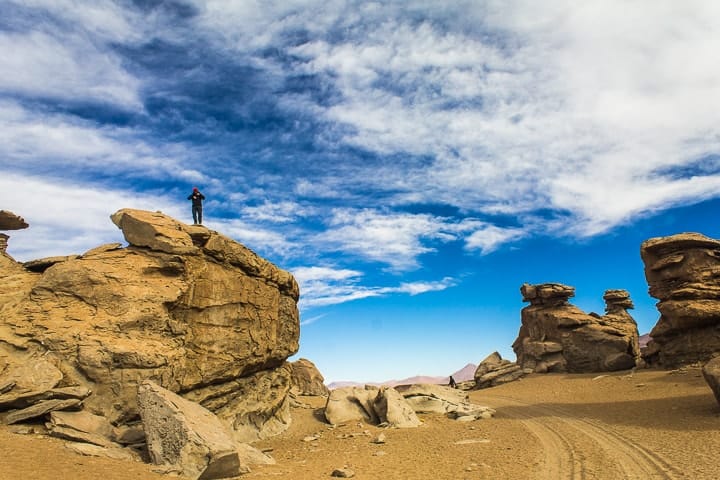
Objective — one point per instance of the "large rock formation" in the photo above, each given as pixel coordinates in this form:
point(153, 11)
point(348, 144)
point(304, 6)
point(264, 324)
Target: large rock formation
point(9, 221)
point(557, 336)
point(186, 307)
point(711, 373)
point(307, 379)
point(683, 272)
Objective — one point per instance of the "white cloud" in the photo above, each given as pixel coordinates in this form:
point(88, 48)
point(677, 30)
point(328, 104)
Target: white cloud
point(391, 238)
point(489, 237)
point(68, 218)
point(35, 140)
point(576, 102)
point(69, 66)
point(323, 286)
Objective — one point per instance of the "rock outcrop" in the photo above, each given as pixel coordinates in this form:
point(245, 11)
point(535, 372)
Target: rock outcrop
point(683, 273)
point(186, 307)
point(307, 379)
point(397, 407)
point(557, 336)
point(495, 370)
point(9, 221)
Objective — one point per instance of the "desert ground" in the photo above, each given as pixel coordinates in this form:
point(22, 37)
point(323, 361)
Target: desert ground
point(649, 424)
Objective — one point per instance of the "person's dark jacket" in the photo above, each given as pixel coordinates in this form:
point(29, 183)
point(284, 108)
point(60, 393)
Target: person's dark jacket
point(196, 198)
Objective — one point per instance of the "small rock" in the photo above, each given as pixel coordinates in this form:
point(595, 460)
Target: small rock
point(342, 473)
point(380, 439)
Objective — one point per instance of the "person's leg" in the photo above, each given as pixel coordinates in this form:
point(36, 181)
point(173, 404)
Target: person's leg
point(195, 214)
point(200, 215)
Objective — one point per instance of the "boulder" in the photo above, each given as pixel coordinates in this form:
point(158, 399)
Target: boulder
point(557, 336)
point(392, 409)
point(185, 435)
point(82, 426)
point(683, 273)
point(430, 398)
point(351, 404)
point(711, 373)
point(494, 370)
point(10, 221)
point(189, 308)
point(307, 379)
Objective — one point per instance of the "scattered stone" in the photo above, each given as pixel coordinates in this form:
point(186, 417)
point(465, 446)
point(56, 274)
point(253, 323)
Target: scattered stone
point(342, 473)
point(186, 435)
point(40, 409)
point(380, 439)
point(711, 373)
point(311, 438)
point(379, 453)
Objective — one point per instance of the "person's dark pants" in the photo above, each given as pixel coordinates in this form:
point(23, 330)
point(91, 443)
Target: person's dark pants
point(197, 214)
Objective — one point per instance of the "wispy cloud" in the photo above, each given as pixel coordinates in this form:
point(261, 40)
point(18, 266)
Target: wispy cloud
point(322, 286)
point(320, 127)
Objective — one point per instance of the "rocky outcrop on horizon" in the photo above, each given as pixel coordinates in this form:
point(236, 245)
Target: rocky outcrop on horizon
point(683, 273)
point(556, 336)
point(184, 306)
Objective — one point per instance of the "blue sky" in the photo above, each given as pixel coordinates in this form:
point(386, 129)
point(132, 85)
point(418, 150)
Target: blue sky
point(411, 162)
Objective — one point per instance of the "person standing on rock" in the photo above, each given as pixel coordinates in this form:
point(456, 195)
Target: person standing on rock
point(197, 199)
point(452, 383)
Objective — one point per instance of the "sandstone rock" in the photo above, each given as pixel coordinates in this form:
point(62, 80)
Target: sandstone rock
point(82, 426)
point(90, 450)
point(215, 323)
point(153, 230)
point(683, 272)
point(42, 264)
point(41, 408)
point(351, 403)
point(22, 399)
point(711, 373)
point(429, 398)
point(250, 455)
point(10, 221)
point(342, 473)
point(307, 379)
point(394, 410)
point(3, 242)
point(557, 336)
point(494, 370)
point(183, 434)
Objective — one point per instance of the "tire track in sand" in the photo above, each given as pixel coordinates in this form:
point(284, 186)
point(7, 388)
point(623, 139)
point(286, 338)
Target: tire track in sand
point(576, 448)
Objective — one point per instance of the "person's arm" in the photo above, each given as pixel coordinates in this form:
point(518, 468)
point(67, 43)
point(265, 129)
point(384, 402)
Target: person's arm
point(202, 197)
point(190, 197)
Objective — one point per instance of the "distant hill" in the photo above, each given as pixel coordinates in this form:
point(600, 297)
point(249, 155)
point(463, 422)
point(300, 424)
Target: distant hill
point(465, 373)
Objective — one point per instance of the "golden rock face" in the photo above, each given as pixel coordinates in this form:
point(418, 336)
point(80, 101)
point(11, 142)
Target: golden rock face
point(209, 323)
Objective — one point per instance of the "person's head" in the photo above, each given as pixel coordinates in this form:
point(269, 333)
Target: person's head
point(195, 189)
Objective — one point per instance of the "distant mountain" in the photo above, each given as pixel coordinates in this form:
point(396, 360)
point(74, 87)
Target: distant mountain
point(465, 373)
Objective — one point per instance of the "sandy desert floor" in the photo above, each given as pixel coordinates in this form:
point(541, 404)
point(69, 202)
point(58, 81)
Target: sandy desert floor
point(648, 425)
